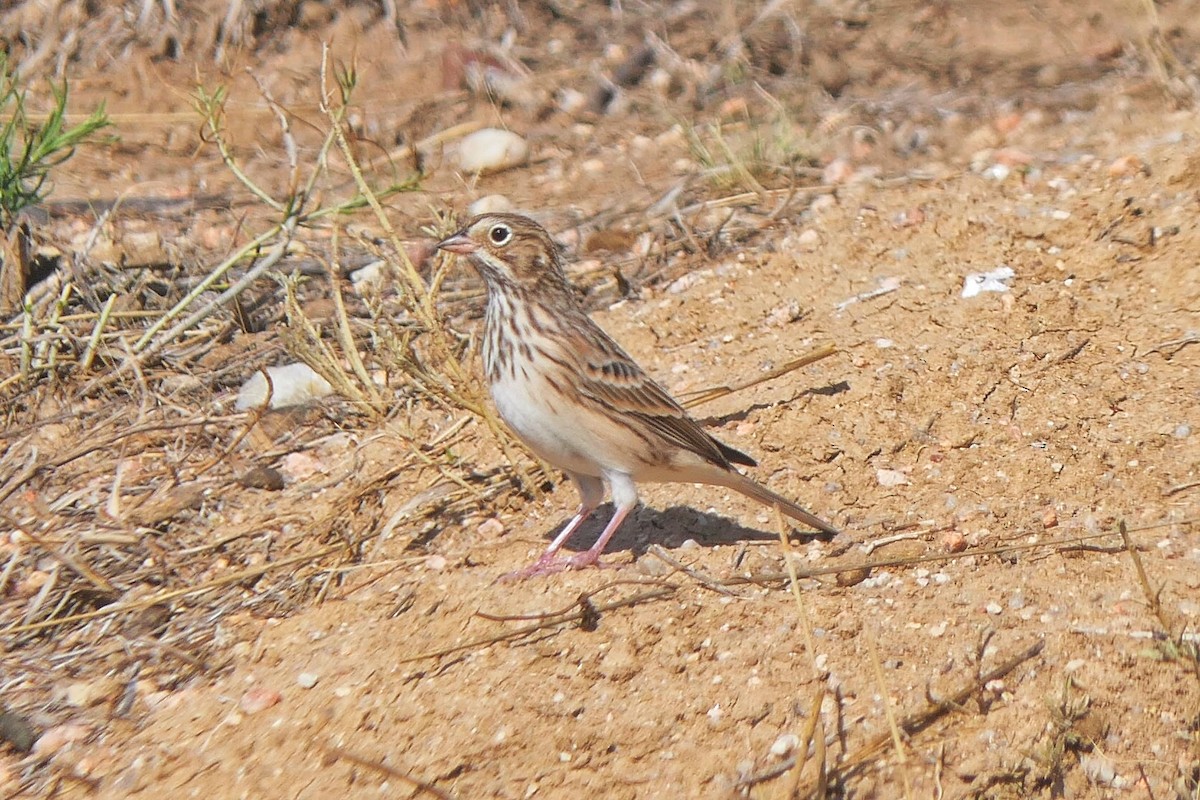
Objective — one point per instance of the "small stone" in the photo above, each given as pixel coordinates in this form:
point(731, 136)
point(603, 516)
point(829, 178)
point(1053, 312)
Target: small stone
point(435, 563)
point(291, 385)
point(954, 542)
point(84, 693)
point(1049, 517)
point(808, 240)
point(259, 699)
point(993, 608)
point(370, 276)
point(490, 204)
point(491, 527)
point(307, 680)
point(571, 101)
point(1125, 166)
point(17, 731)
point(891, 478)
point(784, 745)
point(298, 466)
point(1098, 767)
point(491, 150)
point(852, 577)
point(260, 477)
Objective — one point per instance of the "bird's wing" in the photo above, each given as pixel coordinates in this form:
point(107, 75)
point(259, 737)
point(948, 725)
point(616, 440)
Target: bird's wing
point(610, 378)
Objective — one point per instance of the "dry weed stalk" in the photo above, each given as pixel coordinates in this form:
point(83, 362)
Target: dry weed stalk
point(437, 364)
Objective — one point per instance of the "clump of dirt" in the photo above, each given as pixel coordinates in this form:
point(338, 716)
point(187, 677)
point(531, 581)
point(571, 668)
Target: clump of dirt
point(305, 602)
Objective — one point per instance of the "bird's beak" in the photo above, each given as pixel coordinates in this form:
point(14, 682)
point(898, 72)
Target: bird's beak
point(458, 243)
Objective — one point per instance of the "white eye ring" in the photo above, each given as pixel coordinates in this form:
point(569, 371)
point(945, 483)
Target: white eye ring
point(500, 234)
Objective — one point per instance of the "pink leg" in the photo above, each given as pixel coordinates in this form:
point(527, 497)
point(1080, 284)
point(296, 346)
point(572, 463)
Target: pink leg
point(592, 556)
point(624, 494)
point(591, 492)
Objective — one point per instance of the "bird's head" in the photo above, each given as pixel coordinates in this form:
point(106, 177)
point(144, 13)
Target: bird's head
point(509, 251)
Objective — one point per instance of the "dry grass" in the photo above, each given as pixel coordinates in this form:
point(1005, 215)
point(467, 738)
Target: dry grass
point(131, 542)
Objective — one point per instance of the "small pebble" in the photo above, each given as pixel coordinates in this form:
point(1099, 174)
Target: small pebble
point(852, 577)
point(784, 745)
point(259, 699)
point(954, 542)
point(491, 150)
point(993, 608)
point(1126, 166)
point(571, 101)
point(891, 477)
point(808, 240)
point(17, 731)
point(491, 527)
point(260, 477)
point(1049, 517)
point(490, 204)
point(291, 385)
point(307, 680)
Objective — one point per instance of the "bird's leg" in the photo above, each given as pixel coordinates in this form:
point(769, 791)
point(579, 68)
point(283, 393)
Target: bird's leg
point(625, 498)
point(591, 557)
point(591, 492)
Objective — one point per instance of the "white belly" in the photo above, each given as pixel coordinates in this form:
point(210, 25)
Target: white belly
point(549, 425)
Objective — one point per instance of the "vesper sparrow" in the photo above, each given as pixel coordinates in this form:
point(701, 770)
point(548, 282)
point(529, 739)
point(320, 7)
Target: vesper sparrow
point(575, 397)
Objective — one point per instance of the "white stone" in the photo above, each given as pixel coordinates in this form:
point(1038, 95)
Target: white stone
point(291, 385)
point(490, 204)
point(491, 150)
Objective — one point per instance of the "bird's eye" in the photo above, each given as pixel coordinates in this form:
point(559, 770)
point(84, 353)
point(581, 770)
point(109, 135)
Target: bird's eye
point(500, 234)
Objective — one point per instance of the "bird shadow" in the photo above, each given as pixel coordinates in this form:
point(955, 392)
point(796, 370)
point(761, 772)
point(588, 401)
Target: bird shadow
point(669, 528)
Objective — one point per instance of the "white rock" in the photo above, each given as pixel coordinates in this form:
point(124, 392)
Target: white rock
point(490, 204)
point(307, 680)
point(891, 477)
point(291, 385)
point(571, 101)
point(491, 150)
point(370, 275)
point(994, 281)
point(785, 744)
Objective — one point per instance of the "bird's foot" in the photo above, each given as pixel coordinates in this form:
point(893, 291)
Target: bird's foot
point(550, 565)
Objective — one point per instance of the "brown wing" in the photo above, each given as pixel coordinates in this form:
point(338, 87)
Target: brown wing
point(610, 377)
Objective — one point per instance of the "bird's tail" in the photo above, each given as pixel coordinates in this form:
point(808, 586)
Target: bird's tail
point(762, 494)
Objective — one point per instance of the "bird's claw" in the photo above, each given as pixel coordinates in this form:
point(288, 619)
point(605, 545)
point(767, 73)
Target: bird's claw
point(549, 565)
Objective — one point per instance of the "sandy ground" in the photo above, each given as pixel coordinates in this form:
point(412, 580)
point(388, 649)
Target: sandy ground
point(979, 630)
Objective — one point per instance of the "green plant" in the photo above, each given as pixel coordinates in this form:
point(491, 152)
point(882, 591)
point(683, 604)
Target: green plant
point(30, 149)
